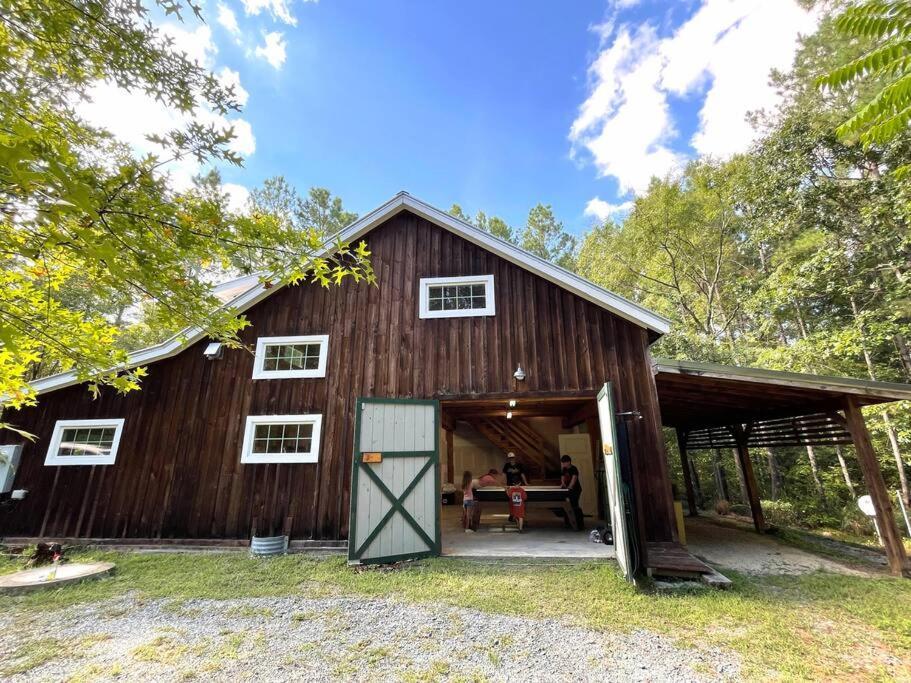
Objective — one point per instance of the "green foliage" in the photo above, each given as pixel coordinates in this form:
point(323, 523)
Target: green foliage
point(320, 211)
point(886, 27)
point(544, 236)
point(493, 224)
point(88, 229)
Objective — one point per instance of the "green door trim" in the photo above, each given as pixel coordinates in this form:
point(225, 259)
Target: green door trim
point(433, 460)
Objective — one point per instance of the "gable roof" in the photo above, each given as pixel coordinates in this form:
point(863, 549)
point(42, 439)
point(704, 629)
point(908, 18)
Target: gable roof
point(249, 292)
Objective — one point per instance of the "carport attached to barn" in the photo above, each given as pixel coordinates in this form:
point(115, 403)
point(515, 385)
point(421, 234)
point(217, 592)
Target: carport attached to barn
point(719, 406)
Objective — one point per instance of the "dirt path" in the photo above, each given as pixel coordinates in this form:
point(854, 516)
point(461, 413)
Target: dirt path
point(752, 553)
point(331, 639)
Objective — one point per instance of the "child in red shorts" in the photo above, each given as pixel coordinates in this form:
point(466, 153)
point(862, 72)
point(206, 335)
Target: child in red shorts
point(517, 498)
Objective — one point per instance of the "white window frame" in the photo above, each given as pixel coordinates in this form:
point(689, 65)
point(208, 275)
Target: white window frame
point(53, 449)
point(248, 457)
point(263, 342)
point(428, 282)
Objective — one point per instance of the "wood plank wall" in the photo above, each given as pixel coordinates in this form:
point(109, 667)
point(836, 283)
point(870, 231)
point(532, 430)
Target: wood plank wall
point(178, 471)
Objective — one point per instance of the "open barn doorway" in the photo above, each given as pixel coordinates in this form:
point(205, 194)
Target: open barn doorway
point(477, 436)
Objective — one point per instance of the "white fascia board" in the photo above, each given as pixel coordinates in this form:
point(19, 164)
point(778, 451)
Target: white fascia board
point(563, 278)
point(166, 349)
point(559, 276)
point(893, 391)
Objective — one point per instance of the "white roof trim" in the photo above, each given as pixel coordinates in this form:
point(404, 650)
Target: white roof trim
point(559, 276)
point(893, 391)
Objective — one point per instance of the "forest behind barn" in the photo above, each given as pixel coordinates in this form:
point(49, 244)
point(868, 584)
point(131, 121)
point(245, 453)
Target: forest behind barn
point(795, 255)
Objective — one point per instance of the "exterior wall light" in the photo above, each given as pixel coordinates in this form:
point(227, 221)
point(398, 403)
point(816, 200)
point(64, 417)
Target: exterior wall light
point(519, 374)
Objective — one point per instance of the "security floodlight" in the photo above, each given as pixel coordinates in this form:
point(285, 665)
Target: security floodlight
point(214, 351)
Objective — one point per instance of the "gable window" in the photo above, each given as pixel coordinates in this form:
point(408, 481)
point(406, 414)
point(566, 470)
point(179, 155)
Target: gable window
point(281, 438)
point(283, 357)
point(456, 297)
point(84, 442)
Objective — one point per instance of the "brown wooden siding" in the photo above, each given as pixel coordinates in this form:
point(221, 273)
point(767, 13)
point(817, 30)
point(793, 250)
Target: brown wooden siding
point(178, 472)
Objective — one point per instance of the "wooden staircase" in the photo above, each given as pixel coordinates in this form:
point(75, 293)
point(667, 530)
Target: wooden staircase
point(519, 437)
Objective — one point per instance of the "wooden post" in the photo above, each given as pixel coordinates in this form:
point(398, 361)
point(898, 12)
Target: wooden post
point(450, 461)
point(749, 478)
point(687, 474)
point(873, 477)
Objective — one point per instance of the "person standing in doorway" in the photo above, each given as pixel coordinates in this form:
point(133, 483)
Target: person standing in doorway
point(570, 481)
point(469, 521)
point(514, 472)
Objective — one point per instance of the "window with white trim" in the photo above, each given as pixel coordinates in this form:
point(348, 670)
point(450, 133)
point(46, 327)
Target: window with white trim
point(281, 438)
point(284, 357)
point(84, 442)
point(456, 297)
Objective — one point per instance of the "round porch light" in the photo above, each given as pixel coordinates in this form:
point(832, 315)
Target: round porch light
point(519, 374)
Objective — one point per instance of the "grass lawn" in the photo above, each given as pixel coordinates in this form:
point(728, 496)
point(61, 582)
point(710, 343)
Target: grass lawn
point(811, 626)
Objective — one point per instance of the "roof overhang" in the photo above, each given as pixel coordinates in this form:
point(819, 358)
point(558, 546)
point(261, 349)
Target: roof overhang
point(251, 293)
point(693, 395)
point(616, 304)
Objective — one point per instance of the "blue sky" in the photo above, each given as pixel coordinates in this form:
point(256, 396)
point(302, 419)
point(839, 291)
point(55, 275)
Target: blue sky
point(492, 105)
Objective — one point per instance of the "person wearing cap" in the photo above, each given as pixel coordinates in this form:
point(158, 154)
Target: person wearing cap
point(514, 472)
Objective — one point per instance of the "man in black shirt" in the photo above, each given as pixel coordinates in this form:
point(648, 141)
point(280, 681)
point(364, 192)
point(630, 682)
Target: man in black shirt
point(515, 473)
point(570, 481)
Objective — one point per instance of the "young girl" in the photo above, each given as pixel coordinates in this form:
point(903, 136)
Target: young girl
point(468, 502)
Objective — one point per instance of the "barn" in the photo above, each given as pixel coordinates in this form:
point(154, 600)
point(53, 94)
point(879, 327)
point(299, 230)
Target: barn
point(353, 408)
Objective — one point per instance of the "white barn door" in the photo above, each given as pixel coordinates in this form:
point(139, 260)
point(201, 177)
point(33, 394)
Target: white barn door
point(395, 481)
point(614, 480)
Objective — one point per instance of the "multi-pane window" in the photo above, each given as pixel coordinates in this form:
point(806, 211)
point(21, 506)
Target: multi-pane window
point(280, 357)
point(291, 357)
point(281, 438)
point(456, 297)
point(84, 442)
point(452, 297)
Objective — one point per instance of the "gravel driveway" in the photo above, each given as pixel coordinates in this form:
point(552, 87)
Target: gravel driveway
point(331, 638)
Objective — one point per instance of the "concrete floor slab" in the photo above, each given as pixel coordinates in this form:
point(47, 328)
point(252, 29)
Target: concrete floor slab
point(745, 551)
point(544, 539)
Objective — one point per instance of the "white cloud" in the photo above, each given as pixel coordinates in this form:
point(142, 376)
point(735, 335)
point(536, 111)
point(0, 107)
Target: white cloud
point(197, 44)
point(724, 51)
point(228, 19)
point(279, 9)
point(237, 196)
point(601, 210)
point(132, 116)
point(272, 49)
point(230, 78)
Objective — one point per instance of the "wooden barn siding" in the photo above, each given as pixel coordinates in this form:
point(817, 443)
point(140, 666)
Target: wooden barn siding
point(178, 472)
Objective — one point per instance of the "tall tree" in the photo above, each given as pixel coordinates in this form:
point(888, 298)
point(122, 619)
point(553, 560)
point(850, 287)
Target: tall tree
point(495, 225)
point(319, 210)
point(76, 203)
point(544, 236)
